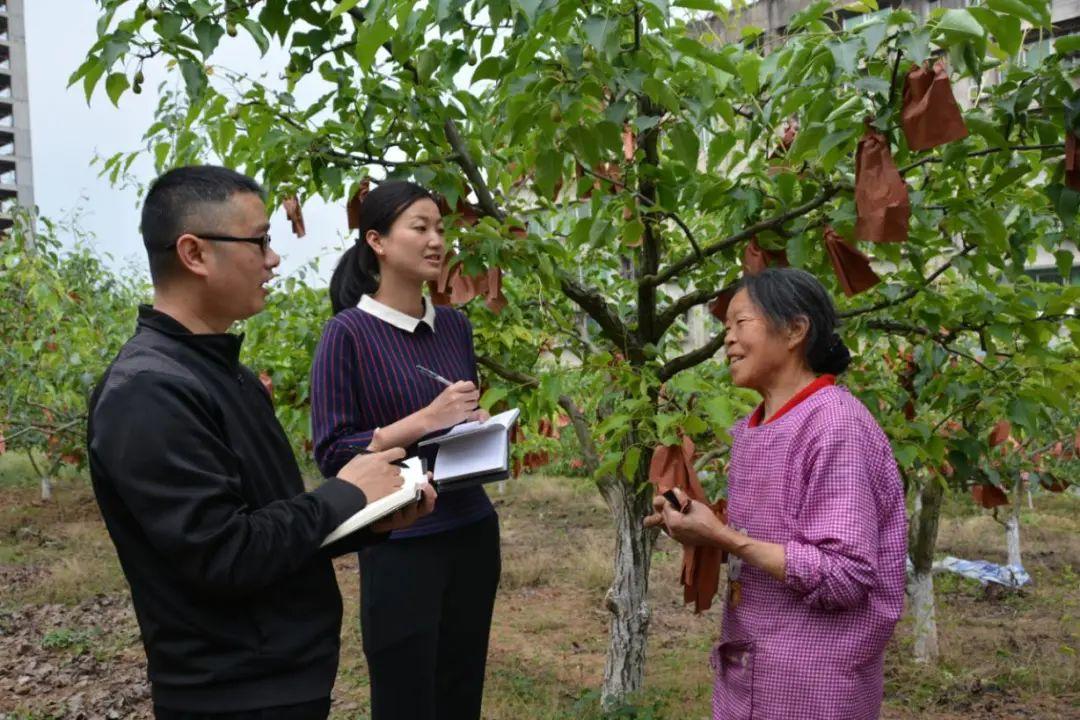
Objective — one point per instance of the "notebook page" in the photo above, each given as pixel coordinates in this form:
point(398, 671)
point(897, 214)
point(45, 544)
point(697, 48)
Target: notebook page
point(482, 453)
point(503, 420)
point(413, 478)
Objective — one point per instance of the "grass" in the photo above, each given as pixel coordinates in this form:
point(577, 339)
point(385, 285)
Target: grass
point(1004, 655)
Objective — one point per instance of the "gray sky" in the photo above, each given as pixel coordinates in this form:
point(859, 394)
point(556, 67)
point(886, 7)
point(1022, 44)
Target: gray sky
point(66, 134)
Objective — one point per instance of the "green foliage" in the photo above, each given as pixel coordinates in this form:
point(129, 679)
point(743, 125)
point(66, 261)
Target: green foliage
point(67, 639)
point(65, 317)
point(280, 341)
point(552, 86)
point(521, 107)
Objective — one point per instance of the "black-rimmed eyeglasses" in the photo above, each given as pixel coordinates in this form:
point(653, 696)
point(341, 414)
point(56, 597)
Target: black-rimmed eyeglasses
point(263, 241)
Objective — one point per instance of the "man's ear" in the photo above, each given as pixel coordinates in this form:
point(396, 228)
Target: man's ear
point(191, 254)
point(797, 331)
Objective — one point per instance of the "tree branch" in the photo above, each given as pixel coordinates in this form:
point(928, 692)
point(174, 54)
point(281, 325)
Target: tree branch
point(910, 293)
point(684, 303)
point(577, 418)
point(593, 303)
point(980, 153)
point(581, 428)
point(520, 378)
point(649, 261)
point(650, 203)
point(709, 456)
point(464, 159)
point(776, 221)
point(692, 358)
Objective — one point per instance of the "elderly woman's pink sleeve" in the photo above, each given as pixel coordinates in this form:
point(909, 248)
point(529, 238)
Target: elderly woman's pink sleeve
point(831, 559)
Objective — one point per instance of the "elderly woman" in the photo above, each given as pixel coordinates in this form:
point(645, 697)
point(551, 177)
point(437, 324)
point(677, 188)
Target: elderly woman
point(816, 533)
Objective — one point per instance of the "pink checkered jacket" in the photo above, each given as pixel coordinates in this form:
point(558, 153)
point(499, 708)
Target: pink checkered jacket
point(822, 481)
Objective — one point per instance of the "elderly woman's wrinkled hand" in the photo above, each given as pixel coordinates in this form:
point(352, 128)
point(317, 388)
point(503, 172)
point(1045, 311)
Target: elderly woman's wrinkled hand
point(695, 525)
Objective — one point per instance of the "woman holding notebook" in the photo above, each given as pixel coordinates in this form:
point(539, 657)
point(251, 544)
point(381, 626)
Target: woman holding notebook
point(427, 593)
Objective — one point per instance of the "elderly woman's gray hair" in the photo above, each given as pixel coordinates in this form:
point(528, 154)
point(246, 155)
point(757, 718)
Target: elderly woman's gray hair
point(787, 294)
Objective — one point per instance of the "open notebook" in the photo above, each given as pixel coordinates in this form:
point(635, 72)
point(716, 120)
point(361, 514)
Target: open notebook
point(474, 452)
point(414, 477)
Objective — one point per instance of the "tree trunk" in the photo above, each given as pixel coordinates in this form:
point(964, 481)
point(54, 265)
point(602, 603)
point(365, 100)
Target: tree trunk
point(46, 488)
point(627, 597)
point(922, 542)
point(1012, 526)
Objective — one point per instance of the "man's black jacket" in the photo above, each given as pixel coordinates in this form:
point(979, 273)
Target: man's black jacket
point(202, 496)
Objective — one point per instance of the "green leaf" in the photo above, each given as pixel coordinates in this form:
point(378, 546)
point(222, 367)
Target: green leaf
point(194, 76)
point(1035, 12)
point(208, 35)
point(548, 172)
point(661, 6)
point(1067, 44)
point(597, 28)
point(255, 30)
point(616, 421)
point(1009, 34)
point(1006, 179)
point(749, 67)
point(707, 5)
point(493, 395)
point(632, 232)
point(719, 409)
point(809, 15)
point(630, 461)
point(161, 154)
point(685, 144)
point(343, 7)
point(490, 68)
point(369, 39)
point(720, 146)
point(996, 232)
point(427, 62)
point(529, 8)
point(1023, 413)
point(90, 79)
point(807, 141)
point(1064, 260)
point(916, 46)
point(960, 23)
point(115, 85)
point(1066, 202)
point(985, 128)
point(798, 249)
point(873, 34)
point(170, 25)
point(115, 47)
point(661, 93)
point(846, 54)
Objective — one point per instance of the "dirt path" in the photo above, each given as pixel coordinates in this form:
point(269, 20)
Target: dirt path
point(69, 645)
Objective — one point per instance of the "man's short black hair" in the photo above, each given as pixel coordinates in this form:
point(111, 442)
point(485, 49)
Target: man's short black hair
point(178, 196)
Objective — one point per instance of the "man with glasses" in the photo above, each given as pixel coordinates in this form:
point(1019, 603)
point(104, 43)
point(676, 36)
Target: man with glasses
point(237, 603)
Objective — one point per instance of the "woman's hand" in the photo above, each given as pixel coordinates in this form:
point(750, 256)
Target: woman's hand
point(697, 526)
point(454, 405)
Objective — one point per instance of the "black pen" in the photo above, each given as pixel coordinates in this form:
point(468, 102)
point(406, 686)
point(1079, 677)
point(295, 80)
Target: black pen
point(673, 499)
point(434, 375)
point(365, 451)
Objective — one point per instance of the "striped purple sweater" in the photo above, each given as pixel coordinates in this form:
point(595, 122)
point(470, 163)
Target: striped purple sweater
point(364, 377)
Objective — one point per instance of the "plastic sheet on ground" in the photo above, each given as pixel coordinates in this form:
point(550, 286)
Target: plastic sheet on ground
point(1011, 576)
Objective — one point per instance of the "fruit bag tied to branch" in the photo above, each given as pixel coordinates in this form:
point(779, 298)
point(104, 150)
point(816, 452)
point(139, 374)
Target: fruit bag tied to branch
point(672, 466)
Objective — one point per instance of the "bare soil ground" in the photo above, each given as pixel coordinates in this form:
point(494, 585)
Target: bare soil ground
point(69, 645)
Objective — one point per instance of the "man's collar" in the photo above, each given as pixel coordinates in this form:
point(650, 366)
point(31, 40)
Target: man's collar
point(397, 318)
point(223, 347)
